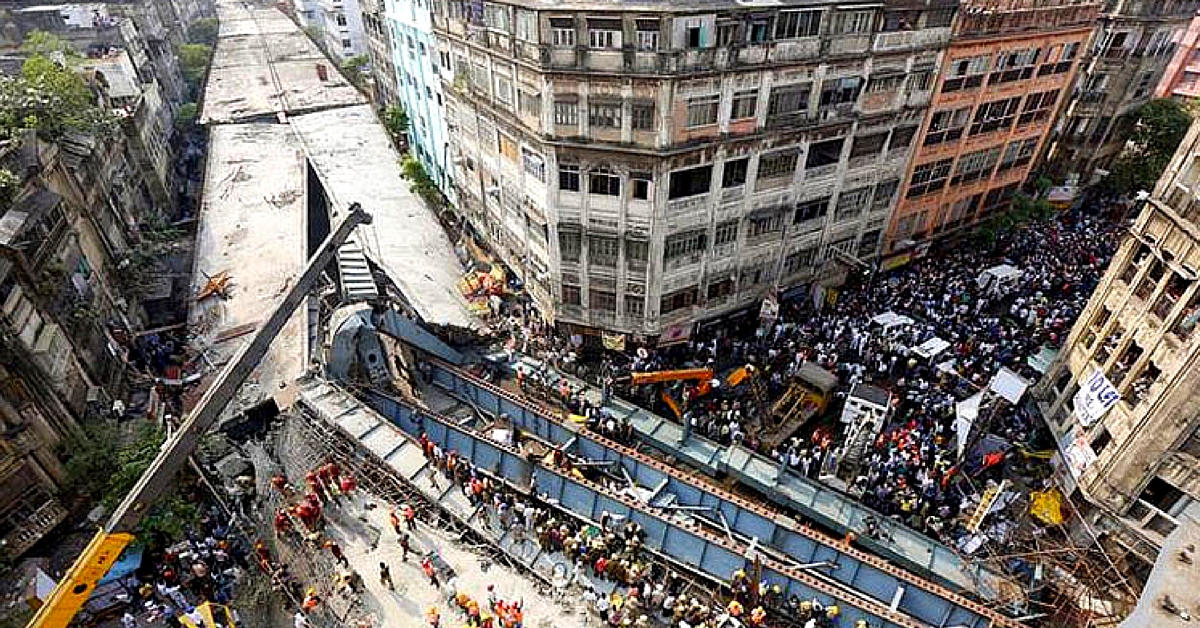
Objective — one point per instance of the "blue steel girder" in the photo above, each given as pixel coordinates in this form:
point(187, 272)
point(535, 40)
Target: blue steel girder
point(855, 568)
point(687, 544)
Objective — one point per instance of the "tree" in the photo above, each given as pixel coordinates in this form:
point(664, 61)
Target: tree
point(356, 69)
point(203, 31)
point(412, 169)
point(186, 116)
point(1154, 132)
point(193, 62)
point(42, 43)
point(395, 120)
point(50, 99)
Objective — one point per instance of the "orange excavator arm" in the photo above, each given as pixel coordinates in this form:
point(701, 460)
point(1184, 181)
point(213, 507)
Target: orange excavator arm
point(654, 377)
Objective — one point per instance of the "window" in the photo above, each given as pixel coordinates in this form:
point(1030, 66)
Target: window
point(734, 173)
point(690, 182)
point(504, 90)
point(1018, 153)
point(760, 30)
point(678, 300)
point(604, 182)
point(726, 232)
point(496, 16)
point(531, 104)
point(920, 80)
point(900, 20)
point(603, 301)
point(694, 37)
point(647, 35)
point(568, 178)
point(718, 290)
point(811, 210)
point(939, 18)
point(603, 250)
point(824, 153)
point(849, 22)
point(788, 100)
point(534, 165)
point(605, 114)
point(1014, 65)
point(799, 261)
point(702, 110)
point(882, 84)
point(563, 37)
point(930, 177)
point(347, 44)
point(884, 192)
point(841, 91)
point(727, 33)
point(636, 253)
point(635, 306)
point(796, 24)
point(868, 145)
point(640, 181)
point(1037, 107)
point(901, 137)
point(999, 197)
point(341, 19)
point(778, 164)
point(1160, 494)
point(966, 73)
point(947, 125)
point(508, 147)
point(686, 243)
point(527, 29)
point(996, 115)
point(763, 224)
point(745, 105)
point(976, 165)
point(566, 112)
point(570, 295)
point(851, 203)
point(642, 116)
point(570, 244)
point(604, 38)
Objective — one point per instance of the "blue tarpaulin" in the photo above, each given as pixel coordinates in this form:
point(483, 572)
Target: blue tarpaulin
point(129, 561)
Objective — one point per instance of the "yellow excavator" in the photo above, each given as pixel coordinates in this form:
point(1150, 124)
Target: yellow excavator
point(100, 555)
point(702, 377)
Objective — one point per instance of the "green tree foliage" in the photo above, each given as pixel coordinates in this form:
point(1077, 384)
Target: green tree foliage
point(395, 120)
point(193, 62)
point(51, 99)
point(1023, 210)
point(42, 43)
point(203, 31)
point(185, 117)
point(1155, 130)
point(356, 69)
point(414, 171)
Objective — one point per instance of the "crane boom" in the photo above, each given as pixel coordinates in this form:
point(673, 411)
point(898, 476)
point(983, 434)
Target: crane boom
point(77, 584)
point(653, 377)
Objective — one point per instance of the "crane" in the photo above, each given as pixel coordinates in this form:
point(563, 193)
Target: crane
point(104, 549)
point(702, 376)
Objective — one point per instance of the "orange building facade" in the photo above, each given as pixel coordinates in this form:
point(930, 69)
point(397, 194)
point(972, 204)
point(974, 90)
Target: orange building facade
point(1008, 70)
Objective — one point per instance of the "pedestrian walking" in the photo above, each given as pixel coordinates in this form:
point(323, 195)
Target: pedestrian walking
point(385, 577)
point(336, 550)
point(394, 518)
point(405, 546)
point(430, 572)
point(410, 517)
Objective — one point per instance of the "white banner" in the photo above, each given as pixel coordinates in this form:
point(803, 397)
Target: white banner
point(1095, 397)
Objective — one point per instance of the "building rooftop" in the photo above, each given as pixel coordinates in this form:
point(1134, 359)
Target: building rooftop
point(349, 146)
point(265, 65)
point(251, 225)
point(1170, 592)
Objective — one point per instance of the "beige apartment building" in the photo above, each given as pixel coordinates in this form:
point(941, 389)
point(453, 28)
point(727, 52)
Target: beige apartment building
point(645, 167)
point(1136, 456)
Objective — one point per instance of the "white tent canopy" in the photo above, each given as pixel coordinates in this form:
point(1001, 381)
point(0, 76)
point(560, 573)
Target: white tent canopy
point(931, 348)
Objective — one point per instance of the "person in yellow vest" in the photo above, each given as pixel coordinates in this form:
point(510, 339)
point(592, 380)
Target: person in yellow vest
point(832, 611)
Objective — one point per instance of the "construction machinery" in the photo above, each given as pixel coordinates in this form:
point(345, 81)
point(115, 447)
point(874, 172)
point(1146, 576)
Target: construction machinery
point(702, 376)
point(104, 549)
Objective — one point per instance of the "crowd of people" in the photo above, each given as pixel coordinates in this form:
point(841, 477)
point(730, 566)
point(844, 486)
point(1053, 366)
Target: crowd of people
point(907, 470)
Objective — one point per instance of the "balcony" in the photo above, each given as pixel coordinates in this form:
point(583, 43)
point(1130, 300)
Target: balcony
point(849, 44)
point(30, 523)
point(911, 40)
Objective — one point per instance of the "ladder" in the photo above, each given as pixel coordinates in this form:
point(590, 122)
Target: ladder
point(985, 504)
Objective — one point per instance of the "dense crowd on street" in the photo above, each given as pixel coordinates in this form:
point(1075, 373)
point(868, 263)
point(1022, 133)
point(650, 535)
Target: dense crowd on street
point(907, 470)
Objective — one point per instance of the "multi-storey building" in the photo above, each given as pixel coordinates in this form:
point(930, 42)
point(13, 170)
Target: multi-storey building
point(341, 24)
point(1133, 449)
point(1181, 79)
point(415, 59)
point(1130, 49)
point(379, 47)
point(646, 167)
point(1010, 65)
